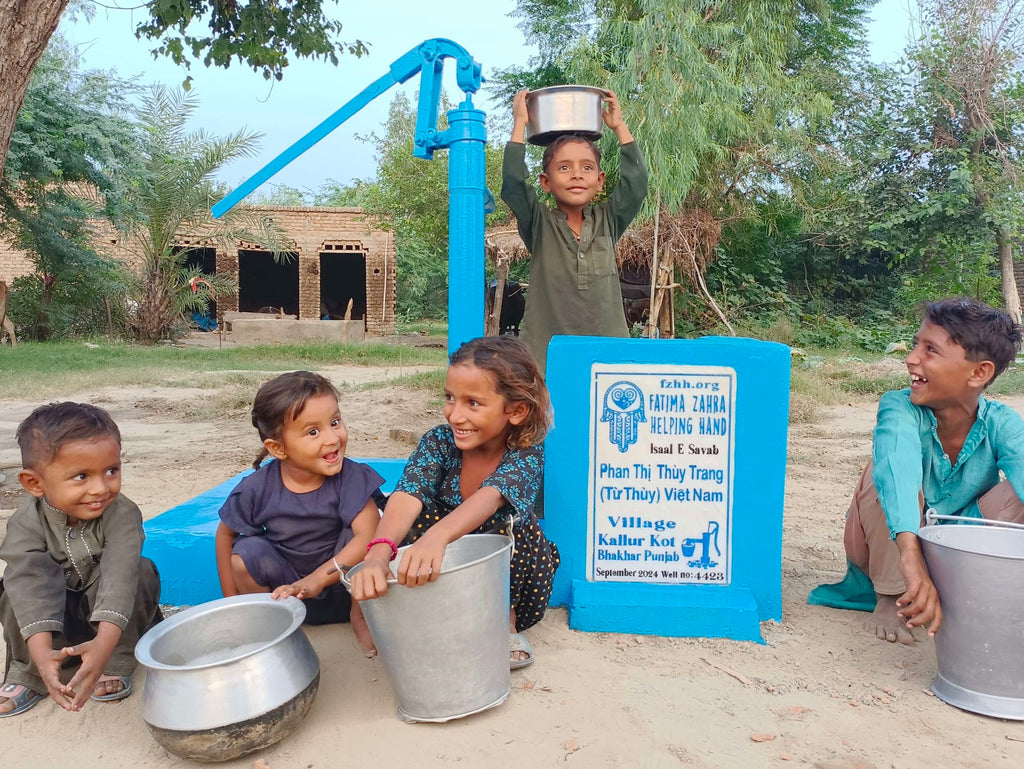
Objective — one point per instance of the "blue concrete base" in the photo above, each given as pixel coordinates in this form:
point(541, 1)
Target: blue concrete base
point(180, 540)
point(666, 610)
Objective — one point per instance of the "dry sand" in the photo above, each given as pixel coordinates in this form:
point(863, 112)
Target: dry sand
point(820, 693)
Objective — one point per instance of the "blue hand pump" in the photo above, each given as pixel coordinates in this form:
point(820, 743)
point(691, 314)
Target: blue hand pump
point(467, 192)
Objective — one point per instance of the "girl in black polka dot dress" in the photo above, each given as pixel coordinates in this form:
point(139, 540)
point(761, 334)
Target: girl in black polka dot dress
point(472, 475)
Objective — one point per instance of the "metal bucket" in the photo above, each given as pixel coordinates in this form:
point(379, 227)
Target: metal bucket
point(228, 677)
point(445, 643)
point(562, 109)
point(978, 572)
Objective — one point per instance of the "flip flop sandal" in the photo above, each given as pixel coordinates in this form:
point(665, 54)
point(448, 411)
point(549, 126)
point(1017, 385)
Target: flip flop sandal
point(27, 700)
point(518, 643)
point(120, 694)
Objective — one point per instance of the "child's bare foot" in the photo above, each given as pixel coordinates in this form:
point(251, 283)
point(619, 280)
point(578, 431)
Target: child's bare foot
point(362, 631)
point(112, 688)
point(885, 623)
point(519, 652)
point(107, 685)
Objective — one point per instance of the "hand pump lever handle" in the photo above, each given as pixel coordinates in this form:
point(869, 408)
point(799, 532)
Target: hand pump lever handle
point(428, 57)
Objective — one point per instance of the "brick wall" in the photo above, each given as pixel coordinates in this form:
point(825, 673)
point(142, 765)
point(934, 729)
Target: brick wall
point(13, 263)
point(341, 231)
point(227, 264)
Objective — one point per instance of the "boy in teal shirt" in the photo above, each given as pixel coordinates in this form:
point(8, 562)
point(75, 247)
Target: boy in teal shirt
point(940, 444)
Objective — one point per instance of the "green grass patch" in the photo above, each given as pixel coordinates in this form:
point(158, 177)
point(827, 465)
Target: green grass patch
point(427, 327)
point(430, 381)
point(1010, 382)
point(52, 368)
point(840, 378)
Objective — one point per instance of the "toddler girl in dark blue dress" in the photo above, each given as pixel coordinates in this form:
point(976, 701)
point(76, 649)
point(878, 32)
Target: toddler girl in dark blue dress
point(291, 525)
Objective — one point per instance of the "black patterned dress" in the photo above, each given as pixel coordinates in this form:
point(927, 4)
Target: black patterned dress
point(432, 476)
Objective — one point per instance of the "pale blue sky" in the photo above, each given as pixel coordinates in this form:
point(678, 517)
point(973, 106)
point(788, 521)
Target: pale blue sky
point(310, 91)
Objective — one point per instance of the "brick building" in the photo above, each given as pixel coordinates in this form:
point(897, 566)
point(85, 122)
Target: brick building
point(339, 258)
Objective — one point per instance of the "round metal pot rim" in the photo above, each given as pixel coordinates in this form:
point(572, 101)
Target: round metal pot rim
point(568, 88)
point(951, 537)
point(144, 648)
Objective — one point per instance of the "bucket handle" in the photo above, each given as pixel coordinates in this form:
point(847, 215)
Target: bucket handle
point(930, 518)
point(511, 525)
point(347, 583)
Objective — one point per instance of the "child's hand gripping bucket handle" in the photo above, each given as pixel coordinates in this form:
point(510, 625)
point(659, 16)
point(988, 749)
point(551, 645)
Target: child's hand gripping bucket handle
point(509, 524)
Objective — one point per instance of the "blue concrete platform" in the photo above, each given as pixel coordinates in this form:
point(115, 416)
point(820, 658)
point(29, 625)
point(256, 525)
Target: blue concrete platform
point(666, 610)
point(180, 540)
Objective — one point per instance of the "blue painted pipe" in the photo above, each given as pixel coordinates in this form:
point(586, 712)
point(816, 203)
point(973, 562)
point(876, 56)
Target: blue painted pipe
point(467, 195)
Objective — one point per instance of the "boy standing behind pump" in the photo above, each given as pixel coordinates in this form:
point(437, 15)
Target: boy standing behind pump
point(574, 280)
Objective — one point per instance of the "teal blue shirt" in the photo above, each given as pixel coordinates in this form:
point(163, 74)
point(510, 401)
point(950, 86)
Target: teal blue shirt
point(909, 460)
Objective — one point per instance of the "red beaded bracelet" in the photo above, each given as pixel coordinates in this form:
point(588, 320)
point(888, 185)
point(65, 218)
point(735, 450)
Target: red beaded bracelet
point(388, 542)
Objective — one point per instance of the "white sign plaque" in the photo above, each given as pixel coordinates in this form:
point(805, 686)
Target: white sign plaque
point(661, 473)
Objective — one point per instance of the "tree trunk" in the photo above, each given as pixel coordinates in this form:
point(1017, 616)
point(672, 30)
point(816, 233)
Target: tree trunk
point(44, 326)
point(25, 29)
point(1011, 297)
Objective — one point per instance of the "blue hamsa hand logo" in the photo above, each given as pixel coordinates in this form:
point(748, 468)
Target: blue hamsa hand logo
point(623, 411)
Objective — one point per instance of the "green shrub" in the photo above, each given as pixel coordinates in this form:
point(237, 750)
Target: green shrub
point(77, 305)
point(873, 333)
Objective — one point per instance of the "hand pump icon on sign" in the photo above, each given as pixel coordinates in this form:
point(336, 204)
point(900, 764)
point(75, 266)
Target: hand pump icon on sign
point(689, 546)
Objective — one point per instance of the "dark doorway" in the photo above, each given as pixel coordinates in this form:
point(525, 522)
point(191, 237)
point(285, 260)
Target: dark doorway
point(342, 278)
point(268, 286)
point(206, 260)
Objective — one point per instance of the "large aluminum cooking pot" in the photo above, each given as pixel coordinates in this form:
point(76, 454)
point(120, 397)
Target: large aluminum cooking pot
point(228, 677)
point(561, 109)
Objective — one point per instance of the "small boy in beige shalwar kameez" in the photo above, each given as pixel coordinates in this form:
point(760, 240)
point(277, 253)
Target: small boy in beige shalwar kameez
point(76, 589)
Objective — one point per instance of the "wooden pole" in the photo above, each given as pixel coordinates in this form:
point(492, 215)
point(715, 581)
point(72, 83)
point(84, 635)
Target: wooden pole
point(501, 279)
point(110, 322)
point(652, 312)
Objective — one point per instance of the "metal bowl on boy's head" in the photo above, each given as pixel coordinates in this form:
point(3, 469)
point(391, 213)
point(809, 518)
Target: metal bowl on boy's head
point(228, 677)
point(564, 109)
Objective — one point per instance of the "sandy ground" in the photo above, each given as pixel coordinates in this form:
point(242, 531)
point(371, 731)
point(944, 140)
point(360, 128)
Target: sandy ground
point(819, 693)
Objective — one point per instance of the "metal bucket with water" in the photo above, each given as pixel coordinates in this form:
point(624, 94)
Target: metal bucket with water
point(979, 573)
point(445, 643)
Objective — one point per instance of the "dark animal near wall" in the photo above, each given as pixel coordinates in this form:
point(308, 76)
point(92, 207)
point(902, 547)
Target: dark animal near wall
point(513, 305)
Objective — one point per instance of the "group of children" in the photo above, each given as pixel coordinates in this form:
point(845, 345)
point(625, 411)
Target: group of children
point(77, 593)
point(77, 589)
